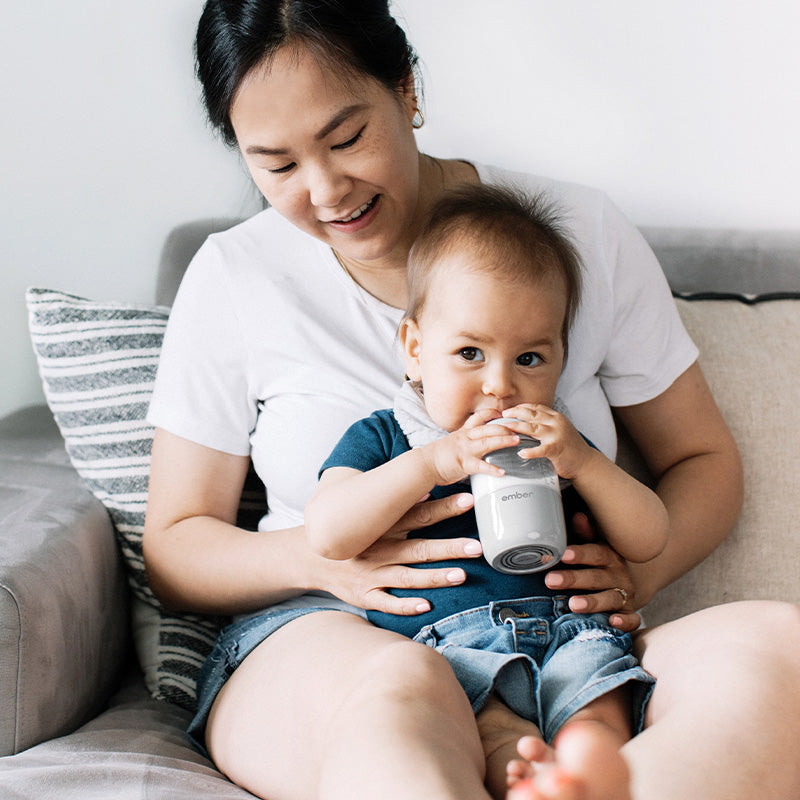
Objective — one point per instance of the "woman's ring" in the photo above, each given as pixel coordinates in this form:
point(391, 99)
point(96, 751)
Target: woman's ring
point(622, 593)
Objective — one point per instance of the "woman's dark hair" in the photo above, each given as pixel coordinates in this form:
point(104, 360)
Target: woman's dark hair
point(518, 237)
point(234, 36)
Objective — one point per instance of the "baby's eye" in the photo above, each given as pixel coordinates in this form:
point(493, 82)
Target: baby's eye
point(528, 359)
point(471, 354)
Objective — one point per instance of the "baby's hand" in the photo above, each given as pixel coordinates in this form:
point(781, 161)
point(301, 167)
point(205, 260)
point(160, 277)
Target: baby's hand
point(459, 454)
point(559, 440)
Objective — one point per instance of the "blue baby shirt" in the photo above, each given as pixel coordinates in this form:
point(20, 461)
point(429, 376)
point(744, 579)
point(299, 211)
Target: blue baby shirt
point(377, 439)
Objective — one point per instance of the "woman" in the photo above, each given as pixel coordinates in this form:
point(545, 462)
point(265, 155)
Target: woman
point(283, 334)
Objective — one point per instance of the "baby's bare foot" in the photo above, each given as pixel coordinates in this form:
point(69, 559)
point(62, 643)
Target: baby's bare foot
point(534, 753)
point(587, 765)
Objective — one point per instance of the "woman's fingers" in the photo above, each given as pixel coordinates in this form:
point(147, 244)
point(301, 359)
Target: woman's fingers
point(626, 622)
point(606, 580)
point(422, 551)
point(432, 511)
point(611, 601)
point(381, 600)
point(410, 579)
point(594, 554)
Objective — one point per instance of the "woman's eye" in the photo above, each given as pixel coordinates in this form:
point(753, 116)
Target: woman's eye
point(528, 359)
point(349, 142)
point(281, 170)
point(471, 354)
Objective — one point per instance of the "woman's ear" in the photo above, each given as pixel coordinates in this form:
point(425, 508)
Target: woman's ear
point(408, 96)
point(411, 340)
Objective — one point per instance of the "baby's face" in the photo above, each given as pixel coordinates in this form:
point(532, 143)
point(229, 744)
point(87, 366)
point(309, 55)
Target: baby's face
point(483, 342)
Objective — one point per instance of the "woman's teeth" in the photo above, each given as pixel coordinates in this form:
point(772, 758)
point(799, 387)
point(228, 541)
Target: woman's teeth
point(357, 213)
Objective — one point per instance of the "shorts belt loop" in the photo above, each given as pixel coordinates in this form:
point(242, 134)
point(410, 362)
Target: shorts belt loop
point(561, 605)
point(511, 621)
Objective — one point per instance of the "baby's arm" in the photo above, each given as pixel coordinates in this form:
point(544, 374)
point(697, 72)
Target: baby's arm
point(351, 509)
point(631, 516)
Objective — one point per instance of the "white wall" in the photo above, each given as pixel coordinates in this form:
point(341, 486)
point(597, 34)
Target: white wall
point(686, 112)
point(103, 149)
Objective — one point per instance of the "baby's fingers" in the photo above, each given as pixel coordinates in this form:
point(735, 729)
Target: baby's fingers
point(480, 417)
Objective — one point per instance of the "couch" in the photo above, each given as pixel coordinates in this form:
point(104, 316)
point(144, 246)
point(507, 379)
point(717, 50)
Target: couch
point(81, 713)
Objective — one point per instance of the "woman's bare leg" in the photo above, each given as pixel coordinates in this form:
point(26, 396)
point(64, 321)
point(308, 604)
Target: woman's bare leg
point(330, 707)
point(724, 719)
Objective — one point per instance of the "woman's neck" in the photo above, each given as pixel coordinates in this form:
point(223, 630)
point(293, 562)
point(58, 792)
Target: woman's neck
point(387, 280)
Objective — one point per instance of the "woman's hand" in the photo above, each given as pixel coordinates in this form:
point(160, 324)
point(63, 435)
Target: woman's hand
point(363, 580)
point(604, 574)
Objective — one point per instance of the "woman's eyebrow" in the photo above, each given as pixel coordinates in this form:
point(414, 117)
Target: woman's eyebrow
point(338, 119)
point(342, 116)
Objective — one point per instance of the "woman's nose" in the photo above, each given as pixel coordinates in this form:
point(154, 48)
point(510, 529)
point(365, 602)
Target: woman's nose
point(327, 188)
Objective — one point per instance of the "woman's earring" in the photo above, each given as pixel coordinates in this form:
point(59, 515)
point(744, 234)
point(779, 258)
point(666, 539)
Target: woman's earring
point(418, 120)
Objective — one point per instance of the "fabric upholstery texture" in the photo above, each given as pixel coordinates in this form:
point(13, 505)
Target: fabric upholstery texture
point(749, 355)
point(64, 629)
point(136, 750)
point(98, 362)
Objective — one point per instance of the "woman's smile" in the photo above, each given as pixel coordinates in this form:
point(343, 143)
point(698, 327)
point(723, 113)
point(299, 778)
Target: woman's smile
point(358, 219)
point(346, 171)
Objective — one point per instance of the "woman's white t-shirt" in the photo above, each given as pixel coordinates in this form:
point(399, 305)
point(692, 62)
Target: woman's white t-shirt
point(273, 351)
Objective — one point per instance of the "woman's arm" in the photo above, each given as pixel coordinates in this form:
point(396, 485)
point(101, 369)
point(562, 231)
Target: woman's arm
point(690, 451)
point(197, 560)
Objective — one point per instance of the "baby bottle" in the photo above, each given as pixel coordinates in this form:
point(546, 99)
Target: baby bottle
point(520, 515)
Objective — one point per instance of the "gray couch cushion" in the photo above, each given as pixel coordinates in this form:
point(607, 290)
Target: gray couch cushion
point(63, 606)
point(135, 750)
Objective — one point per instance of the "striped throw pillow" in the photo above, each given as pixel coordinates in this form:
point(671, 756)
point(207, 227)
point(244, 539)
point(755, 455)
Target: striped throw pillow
point(98, 362)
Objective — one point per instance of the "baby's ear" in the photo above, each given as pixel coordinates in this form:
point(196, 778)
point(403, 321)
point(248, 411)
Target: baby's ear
point(411, 340)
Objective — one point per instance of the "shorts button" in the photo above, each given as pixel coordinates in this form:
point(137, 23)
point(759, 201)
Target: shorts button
point(506, 613)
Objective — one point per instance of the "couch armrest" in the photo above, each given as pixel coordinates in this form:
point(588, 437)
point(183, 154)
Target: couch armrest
point(64, 624)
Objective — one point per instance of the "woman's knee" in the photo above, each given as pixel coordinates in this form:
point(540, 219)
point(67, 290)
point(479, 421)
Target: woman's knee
point(776, 625)
point(407, 670)
point(745, 649)
point(746, 624)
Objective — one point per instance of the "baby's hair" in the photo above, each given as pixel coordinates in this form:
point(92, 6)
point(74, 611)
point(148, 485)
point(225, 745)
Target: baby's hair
point(519, 237)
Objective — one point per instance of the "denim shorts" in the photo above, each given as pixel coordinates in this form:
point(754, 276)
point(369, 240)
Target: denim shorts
point(234, 643)
point(541, 660)
point(511, 647)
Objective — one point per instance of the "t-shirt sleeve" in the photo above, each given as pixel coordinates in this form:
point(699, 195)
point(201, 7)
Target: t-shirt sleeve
point(649, 346)
point(366, 444)
point(202, 390)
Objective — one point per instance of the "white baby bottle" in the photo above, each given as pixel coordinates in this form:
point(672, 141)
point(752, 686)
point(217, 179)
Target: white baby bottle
point(520, 515)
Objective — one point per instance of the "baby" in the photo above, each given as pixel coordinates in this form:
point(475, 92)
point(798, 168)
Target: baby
point(494, 286)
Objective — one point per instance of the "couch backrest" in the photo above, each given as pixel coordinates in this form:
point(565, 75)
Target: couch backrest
point(694, 260)
point(728, 261)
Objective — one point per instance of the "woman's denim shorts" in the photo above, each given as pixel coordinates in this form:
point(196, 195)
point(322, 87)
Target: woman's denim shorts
point(543, 661)
point(234, 643)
